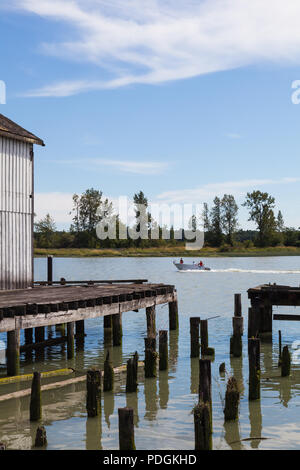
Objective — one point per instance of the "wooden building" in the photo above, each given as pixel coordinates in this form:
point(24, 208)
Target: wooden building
point(16, 205)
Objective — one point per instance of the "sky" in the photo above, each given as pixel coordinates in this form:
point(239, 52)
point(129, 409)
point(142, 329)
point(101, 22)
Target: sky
point(184, 100)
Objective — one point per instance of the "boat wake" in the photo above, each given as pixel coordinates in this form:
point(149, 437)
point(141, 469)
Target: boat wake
point(233, 270)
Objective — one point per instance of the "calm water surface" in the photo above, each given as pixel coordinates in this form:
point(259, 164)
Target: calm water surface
point(163, 405)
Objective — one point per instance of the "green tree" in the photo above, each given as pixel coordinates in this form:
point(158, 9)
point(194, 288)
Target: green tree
point(140, 199)
point(280, 222)
point(216, 222)
point(229, 211)
point(261, 212)
point(45, 229)
point(86, 210)
point(206, 218)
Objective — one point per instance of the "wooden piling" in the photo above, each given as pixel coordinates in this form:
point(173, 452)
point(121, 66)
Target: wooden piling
point(126, 429)
point(150, 357)
point(232, 399)
point(205, 380)
point(254, 368)
point(131, 382)
point(163, 350)
point(237, 305)
point(70, 340)
point(28, 333)
point(150, 314)
point(194, 334)
point(173, 315)
point(285, 362)
point(280, 352)
point(117, 329)
point(49, 270)
point(108, 379)
point(39, 334)
point(136, 365)
point(222, 368)
point(93, 396)
point(205, 350)
point(36, 398)
point(236, 344)
point(202, 426)
point(41, 437)
point(13, 353)
point(107, 321)
point(79, 325)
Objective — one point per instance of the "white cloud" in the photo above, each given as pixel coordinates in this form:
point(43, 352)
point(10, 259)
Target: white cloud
point(155, 41)
point(57, 204)
point(207, 192)
point(125, 166)
point(232, 135)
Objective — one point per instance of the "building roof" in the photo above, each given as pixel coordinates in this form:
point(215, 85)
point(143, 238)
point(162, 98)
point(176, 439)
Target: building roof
point(12, 130)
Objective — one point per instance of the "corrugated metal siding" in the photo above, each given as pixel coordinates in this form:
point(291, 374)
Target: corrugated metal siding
point(16, 188)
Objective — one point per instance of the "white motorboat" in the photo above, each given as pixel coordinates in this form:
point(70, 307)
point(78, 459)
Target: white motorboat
point(190, 267)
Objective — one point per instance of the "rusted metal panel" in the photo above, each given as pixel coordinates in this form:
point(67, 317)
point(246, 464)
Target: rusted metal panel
point(16, 210)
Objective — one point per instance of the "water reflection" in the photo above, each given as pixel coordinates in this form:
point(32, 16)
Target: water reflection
point(151, 399)
point(163, 388)
point(93, 433)
point(255, 418)
point(132, 402)
point(173, 350)
point(109, 406)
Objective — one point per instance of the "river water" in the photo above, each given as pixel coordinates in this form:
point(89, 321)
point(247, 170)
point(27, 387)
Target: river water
point(163, 406)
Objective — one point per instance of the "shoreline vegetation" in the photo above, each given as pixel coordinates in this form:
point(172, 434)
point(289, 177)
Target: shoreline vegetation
point(174, 251)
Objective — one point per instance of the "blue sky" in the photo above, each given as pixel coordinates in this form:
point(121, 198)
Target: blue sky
point(183, 102)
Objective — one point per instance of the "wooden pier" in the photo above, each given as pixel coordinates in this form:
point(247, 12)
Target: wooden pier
point(262, 299)
point(72, 304)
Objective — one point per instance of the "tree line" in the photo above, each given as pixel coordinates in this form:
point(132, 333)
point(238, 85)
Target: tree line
point(220, 223)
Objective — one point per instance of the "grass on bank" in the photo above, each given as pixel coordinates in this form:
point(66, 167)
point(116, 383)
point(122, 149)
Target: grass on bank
point(168, 251)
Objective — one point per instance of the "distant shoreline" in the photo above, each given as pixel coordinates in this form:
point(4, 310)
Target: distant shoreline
point(175, 252)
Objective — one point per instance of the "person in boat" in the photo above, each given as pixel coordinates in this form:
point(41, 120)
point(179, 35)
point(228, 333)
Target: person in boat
point(201, 264)
point(181, 261)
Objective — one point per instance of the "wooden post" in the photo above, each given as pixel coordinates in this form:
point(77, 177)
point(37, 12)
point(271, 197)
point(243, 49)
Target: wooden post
point(236, 344)
point(253, 321)
point(163, 350)
point(135, 363)
point(232, 399)
point(49, 270)
point(61, 327)
point(205, 380)
point(93, 396)
point(285, 362)
point(117, 329)
point(254, 368)
point(13, 352)
point(173, 315)
point(41, 437)
point(107, 321)
point(150, 313)
point(108, 380)
point(126, 429)
point(28, 333)
point(39, 334)
point(205, 350)
point(79, 327)
point(70, 340)
point(131, 382)
point(222, 368)
point(36, 398)
point(107, 328)
point(237, 305)
point(150, 357)
point(202, 426)
point(194, 333)
point(279, 358)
